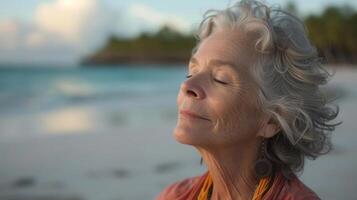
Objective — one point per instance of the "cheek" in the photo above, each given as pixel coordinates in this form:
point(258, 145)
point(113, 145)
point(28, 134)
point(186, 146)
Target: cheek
point(235, 117)
point(226, 116)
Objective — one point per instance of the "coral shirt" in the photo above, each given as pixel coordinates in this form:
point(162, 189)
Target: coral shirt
point(281, 189)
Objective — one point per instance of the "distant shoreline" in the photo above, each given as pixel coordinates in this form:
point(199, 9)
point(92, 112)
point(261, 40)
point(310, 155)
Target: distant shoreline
point(113, 59)
point(168, 59)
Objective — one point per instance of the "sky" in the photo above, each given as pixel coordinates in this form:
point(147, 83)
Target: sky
point(63, 31)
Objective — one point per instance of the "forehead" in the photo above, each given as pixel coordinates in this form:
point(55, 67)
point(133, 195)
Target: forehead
point(233, 47)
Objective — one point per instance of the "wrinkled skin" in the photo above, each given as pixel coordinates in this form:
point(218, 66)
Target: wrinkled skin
point(225, 94)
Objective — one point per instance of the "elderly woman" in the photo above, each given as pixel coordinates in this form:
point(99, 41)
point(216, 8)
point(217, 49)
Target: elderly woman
point(252, 106)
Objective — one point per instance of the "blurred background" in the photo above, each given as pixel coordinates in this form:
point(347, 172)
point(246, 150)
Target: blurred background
point(88, 96)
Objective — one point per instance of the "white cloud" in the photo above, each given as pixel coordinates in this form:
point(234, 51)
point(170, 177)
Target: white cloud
point(12, 34)
point(65, 30)
point(155, 17)
point(62, 29)
point(140, 17)
point(84, 23)
point(9, 32)
point(146, 13)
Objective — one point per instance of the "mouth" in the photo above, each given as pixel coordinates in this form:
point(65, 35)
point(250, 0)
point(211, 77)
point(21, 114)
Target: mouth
point(190, 114)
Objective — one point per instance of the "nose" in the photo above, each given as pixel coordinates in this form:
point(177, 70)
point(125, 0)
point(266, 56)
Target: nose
point(192, 89)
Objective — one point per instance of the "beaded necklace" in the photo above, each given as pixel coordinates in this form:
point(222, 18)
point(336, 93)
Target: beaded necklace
point(206, 190)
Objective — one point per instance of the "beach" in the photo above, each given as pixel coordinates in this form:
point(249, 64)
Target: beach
point(106, 134)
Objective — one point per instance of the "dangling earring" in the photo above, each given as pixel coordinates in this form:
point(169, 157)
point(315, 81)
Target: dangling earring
point(263, 167)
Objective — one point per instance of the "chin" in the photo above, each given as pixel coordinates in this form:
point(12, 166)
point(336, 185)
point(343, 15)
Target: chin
point(186, 135)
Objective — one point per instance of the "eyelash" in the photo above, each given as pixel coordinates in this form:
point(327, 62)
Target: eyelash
point(219, 81)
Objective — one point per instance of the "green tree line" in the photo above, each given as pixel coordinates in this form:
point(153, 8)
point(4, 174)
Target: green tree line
point(164, 46)
point(333, 32)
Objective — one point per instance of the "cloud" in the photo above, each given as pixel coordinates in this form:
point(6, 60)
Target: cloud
point(142, 18)
point(84, 23)
point(13, 34)
point(9, 31)
point(22, 43)
point(65, 30)
point(62, 29)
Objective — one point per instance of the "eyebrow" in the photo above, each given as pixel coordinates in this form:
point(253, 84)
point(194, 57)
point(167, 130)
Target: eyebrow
point(215, 62)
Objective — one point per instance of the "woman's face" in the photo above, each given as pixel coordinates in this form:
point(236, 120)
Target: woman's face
point(220, 90)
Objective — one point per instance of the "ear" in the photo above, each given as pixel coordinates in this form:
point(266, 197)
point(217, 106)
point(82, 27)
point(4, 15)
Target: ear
point(269, 127)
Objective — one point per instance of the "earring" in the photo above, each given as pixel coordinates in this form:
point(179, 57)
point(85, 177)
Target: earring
point(263, 167)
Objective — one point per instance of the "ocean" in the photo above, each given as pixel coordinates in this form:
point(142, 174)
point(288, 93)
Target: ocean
point(105, 133)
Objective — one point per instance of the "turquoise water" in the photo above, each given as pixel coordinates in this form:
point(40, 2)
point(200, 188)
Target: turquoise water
point(29, 89)
point(118, 92)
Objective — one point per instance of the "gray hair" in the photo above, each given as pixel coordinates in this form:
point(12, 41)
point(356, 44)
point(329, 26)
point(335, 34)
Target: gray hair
point(289, 73)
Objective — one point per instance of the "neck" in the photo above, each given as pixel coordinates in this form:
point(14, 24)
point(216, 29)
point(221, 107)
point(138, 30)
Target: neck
point(231, 169)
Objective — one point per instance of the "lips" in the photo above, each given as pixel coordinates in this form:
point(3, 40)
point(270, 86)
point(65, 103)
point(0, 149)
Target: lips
point(192, 114)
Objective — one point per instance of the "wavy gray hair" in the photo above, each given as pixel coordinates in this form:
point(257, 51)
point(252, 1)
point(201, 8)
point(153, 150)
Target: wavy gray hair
point(289, 73)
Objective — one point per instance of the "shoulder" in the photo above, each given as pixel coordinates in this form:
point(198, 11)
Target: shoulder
point(295, 189)
point(180, 189)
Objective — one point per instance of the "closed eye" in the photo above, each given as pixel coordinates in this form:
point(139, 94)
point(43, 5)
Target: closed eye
point(218, 81)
